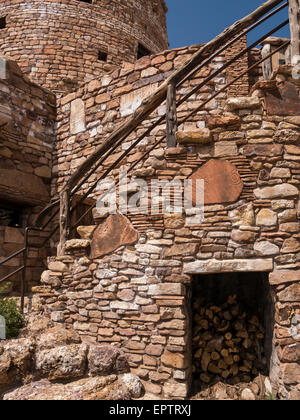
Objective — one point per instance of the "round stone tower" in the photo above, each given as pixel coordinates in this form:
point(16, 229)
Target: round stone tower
point(60, 43)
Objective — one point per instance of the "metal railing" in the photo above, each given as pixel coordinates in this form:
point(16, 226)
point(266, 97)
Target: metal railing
point(64, 205)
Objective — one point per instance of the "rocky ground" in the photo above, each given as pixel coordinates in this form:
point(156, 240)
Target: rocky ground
point(51, 363)
point(258, 389)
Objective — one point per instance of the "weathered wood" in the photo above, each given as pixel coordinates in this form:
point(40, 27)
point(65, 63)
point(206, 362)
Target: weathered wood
point(153, 101)
point(171, 116)
point(294, 15)
point(267, 64)
point(64, 220)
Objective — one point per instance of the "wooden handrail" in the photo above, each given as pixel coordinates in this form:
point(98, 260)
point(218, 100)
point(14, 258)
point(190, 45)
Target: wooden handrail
point(167, 89)
point(156, 99)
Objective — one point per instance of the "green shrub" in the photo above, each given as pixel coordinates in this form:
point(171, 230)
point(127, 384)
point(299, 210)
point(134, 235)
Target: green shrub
point(13, 316)
point(4, 287)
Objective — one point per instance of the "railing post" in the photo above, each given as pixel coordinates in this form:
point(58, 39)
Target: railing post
point(267, 65)
point(171, 116)
point(294, 14)
point(64, 220)
point(23, 280)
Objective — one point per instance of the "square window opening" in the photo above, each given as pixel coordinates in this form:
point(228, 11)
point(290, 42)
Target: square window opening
point(102, 56)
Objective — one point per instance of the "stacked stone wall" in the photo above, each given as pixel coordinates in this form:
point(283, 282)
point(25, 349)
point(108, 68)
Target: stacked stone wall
point(57, 42)
point(90, 114)
point(133, 291)
point(27, 133)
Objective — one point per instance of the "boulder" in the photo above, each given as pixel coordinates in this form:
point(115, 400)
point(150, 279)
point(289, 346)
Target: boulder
point(105, 360)
point(88, 389)
point(57, 336)
point(16, 361)
point(36, 324)
point(64, 362)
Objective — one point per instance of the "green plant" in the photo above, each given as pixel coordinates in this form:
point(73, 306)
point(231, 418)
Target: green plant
point(269, 397)
point(4, 287)
point(13, 316)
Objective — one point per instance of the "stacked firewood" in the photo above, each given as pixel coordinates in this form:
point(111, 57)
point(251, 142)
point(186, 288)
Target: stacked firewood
point(228, 343)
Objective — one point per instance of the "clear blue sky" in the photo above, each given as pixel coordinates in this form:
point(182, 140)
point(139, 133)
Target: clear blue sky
point(196, 21)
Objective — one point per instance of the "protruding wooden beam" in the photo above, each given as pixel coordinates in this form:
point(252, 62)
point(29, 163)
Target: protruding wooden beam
point(267, 64)
point(294, 14)
point(171, 116)
point(64, 220)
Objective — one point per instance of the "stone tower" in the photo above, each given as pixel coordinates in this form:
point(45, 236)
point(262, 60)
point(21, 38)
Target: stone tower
point(61, 43)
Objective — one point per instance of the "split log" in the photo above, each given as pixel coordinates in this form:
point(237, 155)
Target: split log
point(294, 7)
point(222, 349)
point(171, 116)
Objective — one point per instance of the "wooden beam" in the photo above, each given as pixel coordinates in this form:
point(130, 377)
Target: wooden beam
point(171, 116)
point(153, 101)
point(64, 220)
point(294, 15)
point(267, 64)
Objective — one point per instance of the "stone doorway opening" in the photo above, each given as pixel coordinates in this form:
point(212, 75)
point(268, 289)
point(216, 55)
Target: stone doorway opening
point(232, 317)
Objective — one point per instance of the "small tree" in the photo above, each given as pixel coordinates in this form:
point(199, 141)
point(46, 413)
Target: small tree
point(13, 316)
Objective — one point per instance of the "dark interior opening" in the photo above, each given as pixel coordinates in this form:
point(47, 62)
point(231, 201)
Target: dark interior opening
point(11, 215)
point(3, 22)
point(142, 51)
point(232, 329)
point(86, 1)
point(102, 56)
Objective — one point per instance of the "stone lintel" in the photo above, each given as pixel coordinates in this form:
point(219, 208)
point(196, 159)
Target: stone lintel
point(228, 266)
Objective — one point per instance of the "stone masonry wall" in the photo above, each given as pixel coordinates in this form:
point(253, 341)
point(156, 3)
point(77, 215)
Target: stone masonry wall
point(57, 42)
point(132, 290)
point(241, 87)
point(88, 115)
point(27, 133)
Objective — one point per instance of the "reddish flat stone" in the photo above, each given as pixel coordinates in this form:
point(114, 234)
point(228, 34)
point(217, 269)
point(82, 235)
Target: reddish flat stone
point(282, 101)
point(222, 182)
point(112, 233)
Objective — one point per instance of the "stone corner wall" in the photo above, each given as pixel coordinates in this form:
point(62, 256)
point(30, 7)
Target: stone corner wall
point(27, 134)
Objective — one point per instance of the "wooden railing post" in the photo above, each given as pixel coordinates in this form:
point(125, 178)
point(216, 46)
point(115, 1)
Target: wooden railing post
point(294, 14)
point(171, 115)
point(64, 220)
point(267, 65)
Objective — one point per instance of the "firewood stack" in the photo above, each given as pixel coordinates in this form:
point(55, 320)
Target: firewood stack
point(228, 344)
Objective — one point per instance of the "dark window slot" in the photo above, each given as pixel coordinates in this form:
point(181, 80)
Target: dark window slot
point(142, 51)
point(102, 56)
point(3, 22)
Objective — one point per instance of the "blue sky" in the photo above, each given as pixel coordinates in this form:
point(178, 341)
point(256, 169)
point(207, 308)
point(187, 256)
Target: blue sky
point(197, 21)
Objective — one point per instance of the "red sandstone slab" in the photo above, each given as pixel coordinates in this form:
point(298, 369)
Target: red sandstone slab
point(222, 182)
point(283, 101)
point(112, 233)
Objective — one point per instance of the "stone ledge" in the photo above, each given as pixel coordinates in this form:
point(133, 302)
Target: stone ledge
point(218, 266)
